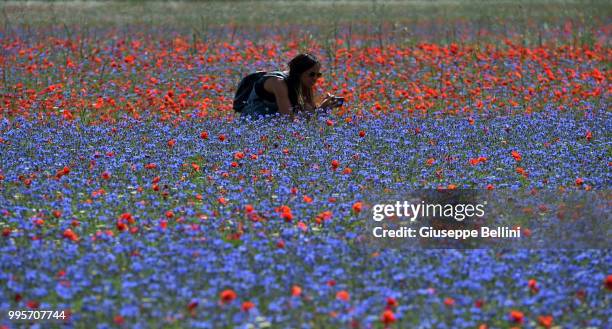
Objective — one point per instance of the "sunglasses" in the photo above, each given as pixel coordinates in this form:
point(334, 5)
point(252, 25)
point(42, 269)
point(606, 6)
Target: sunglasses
point(315, 74)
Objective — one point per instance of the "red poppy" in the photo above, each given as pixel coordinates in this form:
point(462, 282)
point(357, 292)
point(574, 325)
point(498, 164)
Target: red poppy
point(227, 296)
point(521, 171)
point(302, 226)
point(69, 234)
point(127, 217)
point(608, 282)
point(32, 304)
point(192, 305)
point(533, 285)
point(357, 206)
point(526, 232)
point(597, 75)
point(387, 317)
point(246, 306)
point(392, 302)
point(129, 59)
point(287, 216)
point(121, 226)
point(343, 295)
point(545, 321)
point(118, 319)
point(517, 316)
point(296, 290)
point(323, 216)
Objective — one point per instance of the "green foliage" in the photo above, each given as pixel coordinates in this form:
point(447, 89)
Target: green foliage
point(395, 20)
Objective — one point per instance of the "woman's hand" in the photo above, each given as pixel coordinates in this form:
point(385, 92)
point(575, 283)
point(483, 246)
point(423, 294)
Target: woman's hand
point(330, 102)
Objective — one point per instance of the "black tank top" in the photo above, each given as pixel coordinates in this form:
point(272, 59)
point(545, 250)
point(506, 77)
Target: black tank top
point(265, 95)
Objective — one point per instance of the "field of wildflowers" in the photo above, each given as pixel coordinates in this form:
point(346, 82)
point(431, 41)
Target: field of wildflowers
point(132, 197)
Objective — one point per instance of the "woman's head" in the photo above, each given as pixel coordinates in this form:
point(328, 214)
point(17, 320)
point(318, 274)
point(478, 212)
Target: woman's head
point(306, 69)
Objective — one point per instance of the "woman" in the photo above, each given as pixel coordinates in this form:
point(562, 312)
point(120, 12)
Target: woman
point(289, 92)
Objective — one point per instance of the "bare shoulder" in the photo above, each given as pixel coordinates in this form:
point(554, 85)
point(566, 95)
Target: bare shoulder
point(275, 85)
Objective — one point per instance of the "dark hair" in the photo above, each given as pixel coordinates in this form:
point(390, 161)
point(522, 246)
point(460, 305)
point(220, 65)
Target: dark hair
point(298, 65)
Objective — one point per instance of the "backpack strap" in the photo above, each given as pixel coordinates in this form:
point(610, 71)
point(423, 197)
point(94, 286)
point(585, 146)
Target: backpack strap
point(278, 74)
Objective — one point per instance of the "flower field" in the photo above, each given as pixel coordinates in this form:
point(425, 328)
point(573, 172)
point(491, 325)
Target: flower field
point(131, 195)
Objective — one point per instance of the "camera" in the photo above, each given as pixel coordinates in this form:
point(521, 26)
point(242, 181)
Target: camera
point(339, 100)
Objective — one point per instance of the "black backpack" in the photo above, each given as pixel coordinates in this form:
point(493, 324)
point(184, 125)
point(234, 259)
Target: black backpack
point(246, 86)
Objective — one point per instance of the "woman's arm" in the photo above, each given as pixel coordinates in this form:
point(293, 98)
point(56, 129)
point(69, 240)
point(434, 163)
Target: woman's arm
point(312, 106)
point(279, 88)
